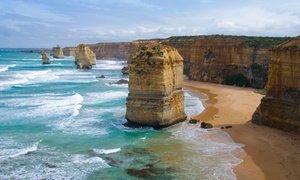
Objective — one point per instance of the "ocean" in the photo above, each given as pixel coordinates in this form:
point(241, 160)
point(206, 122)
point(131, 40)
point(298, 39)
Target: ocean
point(57, 122)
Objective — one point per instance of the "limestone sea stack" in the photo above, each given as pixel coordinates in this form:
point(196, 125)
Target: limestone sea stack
point(84, 57)
point(57, 52)
point(45, 58)
point(155, 85)
point(280, 108)
point(69, 51)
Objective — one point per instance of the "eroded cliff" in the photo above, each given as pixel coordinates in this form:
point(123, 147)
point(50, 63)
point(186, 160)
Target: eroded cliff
point(280, 108)
point(84, 57)
point(69, 51)
point(110, 51)
point(57, 52)
point(155, 87)
point(234, 60)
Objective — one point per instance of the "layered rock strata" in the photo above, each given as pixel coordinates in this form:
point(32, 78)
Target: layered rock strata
point(45, 58)
point(84, 57)
point(69, 51)
point(280, 108)
point(221, 59)
point(110, 51)
point(57, 52)
point(155, 87)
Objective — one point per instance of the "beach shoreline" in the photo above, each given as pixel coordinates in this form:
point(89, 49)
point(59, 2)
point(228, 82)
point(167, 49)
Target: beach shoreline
point(270, 153)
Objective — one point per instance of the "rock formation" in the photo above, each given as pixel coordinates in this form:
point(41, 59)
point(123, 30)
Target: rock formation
point(235, 60)
point(57, 52)
point(155, 87)
point(69, 51)
point(125, 70)
point(45, 58)
point(110, 51)
point(84, 57)
point(280, 108)
point(221, 59)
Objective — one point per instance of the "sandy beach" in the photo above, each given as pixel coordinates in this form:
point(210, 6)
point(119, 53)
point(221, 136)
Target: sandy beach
point(270, 153)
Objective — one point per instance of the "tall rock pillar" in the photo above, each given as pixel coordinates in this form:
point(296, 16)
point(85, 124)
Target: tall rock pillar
point(155, 85)
point(57, 52)
point(280, 108)
point(84, 57)
point(45, 58)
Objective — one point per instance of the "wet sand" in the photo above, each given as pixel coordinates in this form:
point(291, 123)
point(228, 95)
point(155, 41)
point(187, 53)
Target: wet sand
point(270, 153)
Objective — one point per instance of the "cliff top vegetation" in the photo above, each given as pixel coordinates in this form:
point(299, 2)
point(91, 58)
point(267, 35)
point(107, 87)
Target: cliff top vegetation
point(149, 50)
point(253, 41)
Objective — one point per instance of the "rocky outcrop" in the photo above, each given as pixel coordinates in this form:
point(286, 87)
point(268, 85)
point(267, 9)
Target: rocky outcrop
point(84, 57)
point(235, 60)
point(45, 58)
point(35, 50)
point(280, 108)
point(155, 87)
point(121, 81)
point(69, 51)
point(57, 52)
point(125, 69)
point(110, 51)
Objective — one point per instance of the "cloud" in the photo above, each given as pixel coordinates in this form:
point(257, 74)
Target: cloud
point(14, 9)
point(257, 21)
point(71, 22)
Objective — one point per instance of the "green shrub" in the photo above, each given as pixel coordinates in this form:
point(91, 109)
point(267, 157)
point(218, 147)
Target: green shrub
point(257, 41)
point(237, 80)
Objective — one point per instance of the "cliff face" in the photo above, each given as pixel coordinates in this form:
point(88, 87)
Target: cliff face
point(69, 51)
point(84, 57)
point(57, 52)
point(45, 58)
point(280, 108)
point(220, 59)
point(155, 87)
point(110, 51)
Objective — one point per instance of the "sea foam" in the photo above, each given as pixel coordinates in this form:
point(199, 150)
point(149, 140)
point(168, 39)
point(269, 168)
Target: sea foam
point(193, 104)
point(101, 97)
point(26, 150)
point(106, 151)
point(81, 126)
point(214, 152)
point(109, 65)
point(5, 68)
point(50, 104)
point(12, 149)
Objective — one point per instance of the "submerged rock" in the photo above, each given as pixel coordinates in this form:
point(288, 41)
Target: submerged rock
point(49, 165)
point(125, 70)
point(205, 125)
point(102, 76)
point(141, 173)
point(121, 81)
point(193, 121)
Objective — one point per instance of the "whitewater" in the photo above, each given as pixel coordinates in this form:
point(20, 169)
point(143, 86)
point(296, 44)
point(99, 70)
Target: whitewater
point(57, 122)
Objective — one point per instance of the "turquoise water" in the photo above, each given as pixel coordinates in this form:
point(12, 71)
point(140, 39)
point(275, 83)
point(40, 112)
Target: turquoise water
point(57, 122)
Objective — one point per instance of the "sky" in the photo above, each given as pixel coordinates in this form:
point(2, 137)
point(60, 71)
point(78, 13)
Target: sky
point(46, 23)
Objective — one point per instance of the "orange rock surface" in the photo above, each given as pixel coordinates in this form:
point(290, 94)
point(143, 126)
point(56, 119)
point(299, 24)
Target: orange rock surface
point(57, 52)
point(110, 51)
point(155, 87)
point(214, 58)
point(84, 57)
point(280, 108)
